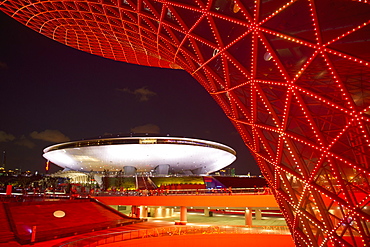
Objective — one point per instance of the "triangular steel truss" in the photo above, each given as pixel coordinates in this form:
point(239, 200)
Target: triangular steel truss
point(293, 76)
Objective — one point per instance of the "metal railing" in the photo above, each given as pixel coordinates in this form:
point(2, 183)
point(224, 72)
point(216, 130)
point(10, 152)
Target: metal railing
point(18, 197)
point(32, 198)
point(250, 191)
point(173, 231)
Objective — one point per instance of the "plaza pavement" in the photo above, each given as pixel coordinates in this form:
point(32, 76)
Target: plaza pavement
point(193, 218)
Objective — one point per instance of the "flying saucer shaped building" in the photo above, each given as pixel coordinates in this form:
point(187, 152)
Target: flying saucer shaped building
point(293, 76)
point(142, 154)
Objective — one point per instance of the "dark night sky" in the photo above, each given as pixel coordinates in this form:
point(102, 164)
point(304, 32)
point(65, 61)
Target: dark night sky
point(51, 93)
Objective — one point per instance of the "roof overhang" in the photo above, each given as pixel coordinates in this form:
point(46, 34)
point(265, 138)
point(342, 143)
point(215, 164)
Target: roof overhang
point(143, 153)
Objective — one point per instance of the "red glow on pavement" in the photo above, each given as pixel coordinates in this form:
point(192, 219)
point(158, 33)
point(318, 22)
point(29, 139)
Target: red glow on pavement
point(293, 77)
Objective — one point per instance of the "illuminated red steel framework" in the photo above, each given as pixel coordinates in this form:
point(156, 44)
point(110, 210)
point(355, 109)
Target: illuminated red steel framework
point(293, 77)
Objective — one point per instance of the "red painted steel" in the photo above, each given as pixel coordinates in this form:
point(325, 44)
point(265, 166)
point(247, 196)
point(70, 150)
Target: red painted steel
point(292, 75)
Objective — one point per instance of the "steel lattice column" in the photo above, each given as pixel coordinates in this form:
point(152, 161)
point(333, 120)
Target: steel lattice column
point(293, 77)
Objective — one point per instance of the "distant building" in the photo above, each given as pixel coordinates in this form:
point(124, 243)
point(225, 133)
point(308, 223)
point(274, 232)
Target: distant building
point(227, 171)
point(3, 161)
point(145, 155)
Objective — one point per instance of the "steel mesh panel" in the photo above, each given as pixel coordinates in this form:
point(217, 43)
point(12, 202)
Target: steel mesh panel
point(293, 77)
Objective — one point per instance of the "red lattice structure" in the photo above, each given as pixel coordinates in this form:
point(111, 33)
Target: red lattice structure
point(292, 75)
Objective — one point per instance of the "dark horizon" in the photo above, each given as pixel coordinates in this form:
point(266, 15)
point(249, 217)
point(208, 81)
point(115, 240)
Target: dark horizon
point(51, 93)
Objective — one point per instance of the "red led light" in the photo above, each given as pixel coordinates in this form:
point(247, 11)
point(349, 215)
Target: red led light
point(293, 76)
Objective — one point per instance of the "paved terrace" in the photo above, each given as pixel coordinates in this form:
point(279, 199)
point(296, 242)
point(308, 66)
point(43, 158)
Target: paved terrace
point(254, 237)
point(188, 200)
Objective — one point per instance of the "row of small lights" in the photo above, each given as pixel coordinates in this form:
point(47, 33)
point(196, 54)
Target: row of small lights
point(277, 11)
point(300, 213)
point(323, 149)
point(360, 125)
point(302, 197)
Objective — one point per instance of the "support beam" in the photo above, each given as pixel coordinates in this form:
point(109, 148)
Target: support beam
point(200, 170)
point(248, 216)
point(162, 169)
point(258, 214)
point(135, 211)
point(129, 170)
point(158, 212)
point(206, 212)
point(183, 215)
point(143, 212)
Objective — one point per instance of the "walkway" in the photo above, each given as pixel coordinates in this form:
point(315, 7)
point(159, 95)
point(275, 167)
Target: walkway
point(194, 219)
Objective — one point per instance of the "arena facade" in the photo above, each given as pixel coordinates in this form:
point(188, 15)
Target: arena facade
point(291, 75)
point(145, 155)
